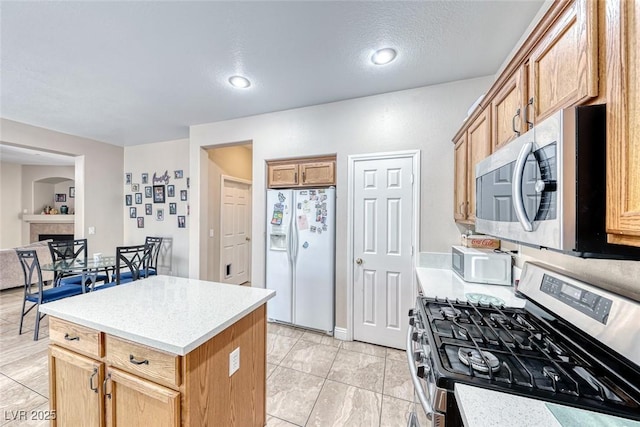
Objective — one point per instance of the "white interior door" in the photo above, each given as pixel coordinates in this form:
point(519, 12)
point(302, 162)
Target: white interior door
point(383, 235)
point(235, 231)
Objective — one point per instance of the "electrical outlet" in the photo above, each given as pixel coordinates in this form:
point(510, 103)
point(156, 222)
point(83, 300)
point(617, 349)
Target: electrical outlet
point(211, 232)
point(234, 361)
point(92, 230)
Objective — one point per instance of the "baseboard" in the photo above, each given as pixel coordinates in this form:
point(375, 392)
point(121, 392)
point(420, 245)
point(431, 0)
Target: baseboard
point(340, 333)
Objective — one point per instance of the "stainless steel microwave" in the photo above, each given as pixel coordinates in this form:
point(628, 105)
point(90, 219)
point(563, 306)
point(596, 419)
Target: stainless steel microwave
point(547, 188)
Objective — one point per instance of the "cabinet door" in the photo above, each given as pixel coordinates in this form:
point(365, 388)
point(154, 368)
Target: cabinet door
point(563, 68)
point(282, 175)
point(460, 178)
point(75, 390)
point(623, 122)
point(507, 111)
point(318, 173)
point(479, 142)
point(132, 401)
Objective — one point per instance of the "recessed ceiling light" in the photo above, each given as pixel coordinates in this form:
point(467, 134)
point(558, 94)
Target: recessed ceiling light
point(383, 56)
point(239, 82)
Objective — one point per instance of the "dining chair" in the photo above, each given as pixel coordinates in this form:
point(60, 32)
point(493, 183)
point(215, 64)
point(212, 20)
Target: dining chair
point(70, 251)
point(153, 264)
point(132, 263)
point(34, 291)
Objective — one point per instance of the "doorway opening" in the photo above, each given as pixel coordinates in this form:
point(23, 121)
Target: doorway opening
point(230, 170)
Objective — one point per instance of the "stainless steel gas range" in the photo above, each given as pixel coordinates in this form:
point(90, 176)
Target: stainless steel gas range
point(572, 344)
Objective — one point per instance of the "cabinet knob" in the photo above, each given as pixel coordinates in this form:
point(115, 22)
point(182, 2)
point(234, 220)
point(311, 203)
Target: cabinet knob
point(513, 123)
point(526, 113)
point(93, 375)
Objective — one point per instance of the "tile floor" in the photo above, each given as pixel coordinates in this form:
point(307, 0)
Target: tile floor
point(312, 379)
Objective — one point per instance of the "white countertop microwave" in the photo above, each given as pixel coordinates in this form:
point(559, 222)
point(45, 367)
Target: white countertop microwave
point(481, 265)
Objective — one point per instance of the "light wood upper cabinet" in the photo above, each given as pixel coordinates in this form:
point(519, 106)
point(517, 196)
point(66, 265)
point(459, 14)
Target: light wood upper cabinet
point(623, 121)
point(133, 401)
point(460, 179)
point(282, 175)
point(563, 67)
point(318, 173)
point(507, 111)
point(479, 148)
point(471, 147)
point(75, 389)
point(309, 172)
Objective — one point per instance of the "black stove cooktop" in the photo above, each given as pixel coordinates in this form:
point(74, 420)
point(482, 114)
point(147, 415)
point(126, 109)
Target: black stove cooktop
point(514, 350)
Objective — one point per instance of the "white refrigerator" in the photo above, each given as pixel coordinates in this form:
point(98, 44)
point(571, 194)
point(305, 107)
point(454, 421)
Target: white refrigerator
point(300, 262)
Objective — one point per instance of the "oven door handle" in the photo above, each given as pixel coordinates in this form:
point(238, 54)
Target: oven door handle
point(516, 189)
point(426, 405)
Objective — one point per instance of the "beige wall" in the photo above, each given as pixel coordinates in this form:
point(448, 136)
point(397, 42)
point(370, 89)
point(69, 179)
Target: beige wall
point(10, 203)
point(424, 118)
point(35, 196)
point(98, 178)
point(235, 161)
point(157, 158)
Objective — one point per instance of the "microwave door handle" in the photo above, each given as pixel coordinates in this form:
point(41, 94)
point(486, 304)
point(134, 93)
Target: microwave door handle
point(516, 189)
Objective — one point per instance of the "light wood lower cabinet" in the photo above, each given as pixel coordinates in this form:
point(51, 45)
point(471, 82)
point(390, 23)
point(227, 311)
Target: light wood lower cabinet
point(75, 389)
point(132, 401)
point(135, 385)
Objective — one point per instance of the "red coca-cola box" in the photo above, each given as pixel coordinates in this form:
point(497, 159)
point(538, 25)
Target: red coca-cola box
point(480, 241)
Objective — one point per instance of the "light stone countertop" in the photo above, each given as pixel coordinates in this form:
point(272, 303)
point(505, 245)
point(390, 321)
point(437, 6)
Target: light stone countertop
point(481, 407)
point(168, 313)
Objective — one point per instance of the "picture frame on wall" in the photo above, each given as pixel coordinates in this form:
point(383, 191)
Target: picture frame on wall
point(133, 212)
point(60, 197)
point(138, 198)
point(128, 199)
point(135, 187)
point(148, 192)
point(182, 223)
point(147, 209)
point(140, 222)
point(127, 178)
point(173, 208)
point(158, 194)
point(183, 195)
point(72, 192)
point(160, 215)
point(178, 174)
point(145, 178)
point(171, 190)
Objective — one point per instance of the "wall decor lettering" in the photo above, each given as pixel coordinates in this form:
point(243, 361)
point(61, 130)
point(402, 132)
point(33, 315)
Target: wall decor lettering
point(163, 178)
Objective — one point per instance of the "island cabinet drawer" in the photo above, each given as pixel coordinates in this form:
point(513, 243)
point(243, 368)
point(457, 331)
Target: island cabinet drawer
point(78, 338)
point(155, 365)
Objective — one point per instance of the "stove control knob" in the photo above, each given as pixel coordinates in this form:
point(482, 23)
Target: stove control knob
point(411, 312)
point(418, 356)
point(412, 321)
point(415, 336)
point(423, 371)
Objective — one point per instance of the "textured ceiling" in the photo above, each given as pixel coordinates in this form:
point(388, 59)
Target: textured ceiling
point(128, 73)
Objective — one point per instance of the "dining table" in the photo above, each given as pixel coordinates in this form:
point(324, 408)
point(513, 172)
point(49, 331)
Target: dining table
point(88, 268)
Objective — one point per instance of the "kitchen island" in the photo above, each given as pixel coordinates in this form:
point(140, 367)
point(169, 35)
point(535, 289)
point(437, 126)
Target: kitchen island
point(164, 351)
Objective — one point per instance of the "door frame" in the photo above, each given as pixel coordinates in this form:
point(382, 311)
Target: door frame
point(223, 179)
point(415, 238)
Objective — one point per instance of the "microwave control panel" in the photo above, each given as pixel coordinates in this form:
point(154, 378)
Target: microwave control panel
point(593, 305)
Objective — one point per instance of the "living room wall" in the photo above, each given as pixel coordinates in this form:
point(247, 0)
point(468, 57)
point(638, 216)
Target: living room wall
point(98, 178)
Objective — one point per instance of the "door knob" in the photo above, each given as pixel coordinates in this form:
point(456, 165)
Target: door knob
point(359, 261)
point(247, 239)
